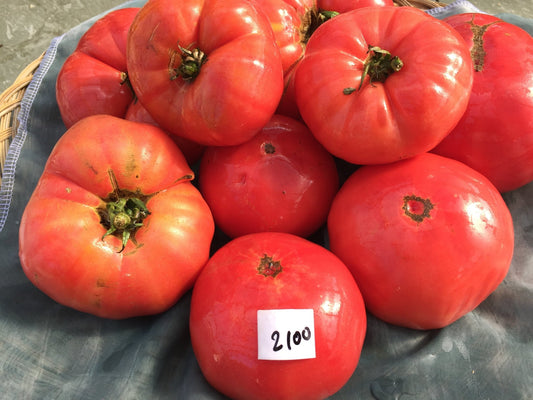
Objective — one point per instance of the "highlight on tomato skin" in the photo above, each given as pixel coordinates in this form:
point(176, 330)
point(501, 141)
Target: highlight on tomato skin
point(270, 273)
point(429, 240)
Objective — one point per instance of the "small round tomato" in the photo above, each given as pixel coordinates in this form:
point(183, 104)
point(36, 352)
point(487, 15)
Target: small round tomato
point(280, 180)
point(115, 227)
point(263, 297)
point(94, 79)
point(373, 80)
point(209, 71)
point(427, 239)
point(495, 135)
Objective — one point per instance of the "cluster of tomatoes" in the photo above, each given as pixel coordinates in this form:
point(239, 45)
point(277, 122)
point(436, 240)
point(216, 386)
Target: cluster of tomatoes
point(296, 168)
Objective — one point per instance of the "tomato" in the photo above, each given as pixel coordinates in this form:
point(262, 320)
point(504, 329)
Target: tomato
point(294, 21)
point(268, 272)
point(94, 79)
point(373, 80)
point(191, 150)
point(209, 71)
point(280, 180)
point(495, 135)
point(114, 227)
point(427, 239)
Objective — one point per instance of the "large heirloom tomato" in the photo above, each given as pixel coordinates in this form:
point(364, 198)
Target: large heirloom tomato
point(280, 180)
point(208, 70)
point(495, 135)
point(275, 316)
point(94, 79)
point(380, 84)
point(114, 227)
point(427, 239)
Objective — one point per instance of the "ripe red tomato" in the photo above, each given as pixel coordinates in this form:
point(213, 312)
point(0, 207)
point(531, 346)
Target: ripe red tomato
point(427, 239)
point(114, 227)
point(280, 180)
point(495, 135)
point(276, 271)
point(94, 79)
point(208, 70)
point(373, 80)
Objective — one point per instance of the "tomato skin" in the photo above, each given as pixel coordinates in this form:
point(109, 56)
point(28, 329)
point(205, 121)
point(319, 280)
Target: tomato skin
point(287, 21)
point(191, 150)
point(93, 79)
point(62, 247)
point(416, 270)
point(236, 90)
point(495, 135)
point(280, 180)
point(383, 122)
point(223, 322)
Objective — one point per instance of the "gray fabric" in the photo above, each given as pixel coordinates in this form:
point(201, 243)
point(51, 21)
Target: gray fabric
point(48, 351)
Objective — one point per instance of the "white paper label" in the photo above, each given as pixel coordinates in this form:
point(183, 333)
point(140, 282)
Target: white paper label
point(286, 334)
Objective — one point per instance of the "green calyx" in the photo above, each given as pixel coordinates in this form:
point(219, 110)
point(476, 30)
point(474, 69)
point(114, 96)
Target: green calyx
point(124, 213)
point(379, 65)
point(191, 64)
point(124, 217)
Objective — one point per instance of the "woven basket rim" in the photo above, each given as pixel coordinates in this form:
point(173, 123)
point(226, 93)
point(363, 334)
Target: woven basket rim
point(10, 101)
point(11, 98)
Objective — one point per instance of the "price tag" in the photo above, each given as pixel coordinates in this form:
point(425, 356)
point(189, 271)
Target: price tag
point(286, 334)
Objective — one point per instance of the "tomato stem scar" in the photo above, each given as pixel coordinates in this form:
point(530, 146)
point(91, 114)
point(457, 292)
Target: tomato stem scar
point(417, 208)
point(478, 53)
point(268, 267)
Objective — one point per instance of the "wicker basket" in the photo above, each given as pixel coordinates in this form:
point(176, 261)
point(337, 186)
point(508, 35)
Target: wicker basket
point(10, 101)
point(11, 98)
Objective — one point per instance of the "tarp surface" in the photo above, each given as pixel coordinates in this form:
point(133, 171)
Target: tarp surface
point(48, 351)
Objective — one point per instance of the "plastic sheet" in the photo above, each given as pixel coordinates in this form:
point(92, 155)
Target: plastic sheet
point(49, 351)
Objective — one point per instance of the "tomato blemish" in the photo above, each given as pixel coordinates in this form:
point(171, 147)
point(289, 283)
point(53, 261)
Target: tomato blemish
point(268, 148)
point(478, 53)
point(268, 267)
point(417, 208)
